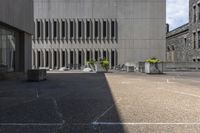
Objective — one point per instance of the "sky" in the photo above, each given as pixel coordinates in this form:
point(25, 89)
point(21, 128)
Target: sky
point(177, 12)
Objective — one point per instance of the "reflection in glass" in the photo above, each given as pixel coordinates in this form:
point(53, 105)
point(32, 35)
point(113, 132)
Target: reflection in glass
point(7, 49)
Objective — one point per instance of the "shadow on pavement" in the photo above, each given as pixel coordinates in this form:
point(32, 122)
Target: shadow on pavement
point(65, 103)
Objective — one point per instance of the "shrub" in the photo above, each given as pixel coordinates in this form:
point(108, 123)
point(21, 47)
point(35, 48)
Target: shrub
point(153, 60)
point(105, 64)
point(92, 63)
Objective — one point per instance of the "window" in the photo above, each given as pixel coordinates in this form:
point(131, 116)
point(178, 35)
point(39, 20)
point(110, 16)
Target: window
point(88, 29)
point(104, 29)
point(63, 29)
point(194, 40)
point(198, 39)
point(46, 29)
point(185, 42)
point(96, 29)
point(112, 29)
point(47, 58)
point(198, 12)
point(194, 14)
point(79, 29)
point(38, 29)
point(54, 29)
point(71, 29)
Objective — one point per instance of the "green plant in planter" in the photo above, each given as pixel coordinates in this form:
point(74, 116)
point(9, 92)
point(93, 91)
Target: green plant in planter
point(153, 60)
point(105, 64)
point(92, 63)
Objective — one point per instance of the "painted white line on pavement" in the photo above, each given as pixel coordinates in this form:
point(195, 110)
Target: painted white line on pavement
point(106, 111)
point(31, 124)
point(129, 123)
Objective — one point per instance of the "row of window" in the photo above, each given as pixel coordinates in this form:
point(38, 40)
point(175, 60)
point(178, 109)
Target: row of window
point(196, 36)
point(76, 29)
point(196, 13)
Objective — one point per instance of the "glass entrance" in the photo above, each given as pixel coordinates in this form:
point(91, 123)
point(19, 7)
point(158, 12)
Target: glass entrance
point(7, 49)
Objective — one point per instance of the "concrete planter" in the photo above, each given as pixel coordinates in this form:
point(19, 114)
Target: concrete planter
point(37, 75)
point(153, 68)
point(99, 68)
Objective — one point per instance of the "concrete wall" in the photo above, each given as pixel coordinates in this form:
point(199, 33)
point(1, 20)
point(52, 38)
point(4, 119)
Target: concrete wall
point(141, 25)
point(18, 14)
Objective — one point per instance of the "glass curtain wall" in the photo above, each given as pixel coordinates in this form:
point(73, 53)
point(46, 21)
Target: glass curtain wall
point(7, 49)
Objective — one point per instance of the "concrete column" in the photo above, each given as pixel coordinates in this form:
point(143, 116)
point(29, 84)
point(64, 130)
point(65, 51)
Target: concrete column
point(93, 54)
point(101, 51)
point(52, 59)
point(58, 59)
point(61, 60)
point(68, 57)
point(115, 57)
point(45, 58)
point(36, 59)
point(110, 57)
point(65, 58)
point(82, 57)
point(41, 58)
point(49, 58)
point(85, 56)
point(33, 59)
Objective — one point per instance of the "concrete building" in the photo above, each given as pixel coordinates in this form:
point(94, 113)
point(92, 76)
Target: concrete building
point(16, 29)
point(68, 33)
point(186, 39)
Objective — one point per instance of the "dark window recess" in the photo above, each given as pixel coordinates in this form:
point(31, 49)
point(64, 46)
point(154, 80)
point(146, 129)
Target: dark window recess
point(63, 58)
point(199, 12)
point(71, 29)
point(38, 29)
point(194, 14)
point(79, 29)
point(47, 58)
point(112, 29)
point(194, 39)
point(63, 29)
point(112, 58)
point(46, 29)
point(199, 39)
point(96, 29)
point(104, 29)
point(55, 58)
point(38, 58)
point(88, 29)
point(54, 29)
point(104, 54)
point(79, 56)
point(71, 57)
point(88, 55)
point(96, 55)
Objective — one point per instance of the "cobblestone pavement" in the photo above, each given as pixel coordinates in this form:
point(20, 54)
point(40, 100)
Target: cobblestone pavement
point(102, 103)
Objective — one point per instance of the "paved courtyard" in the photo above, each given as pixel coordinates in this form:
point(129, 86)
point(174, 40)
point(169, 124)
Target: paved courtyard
point(102, 103)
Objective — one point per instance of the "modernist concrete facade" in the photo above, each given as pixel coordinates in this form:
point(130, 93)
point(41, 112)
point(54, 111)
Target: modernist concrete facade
point(68, 33)
point(186, 39)
point(16, 29)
